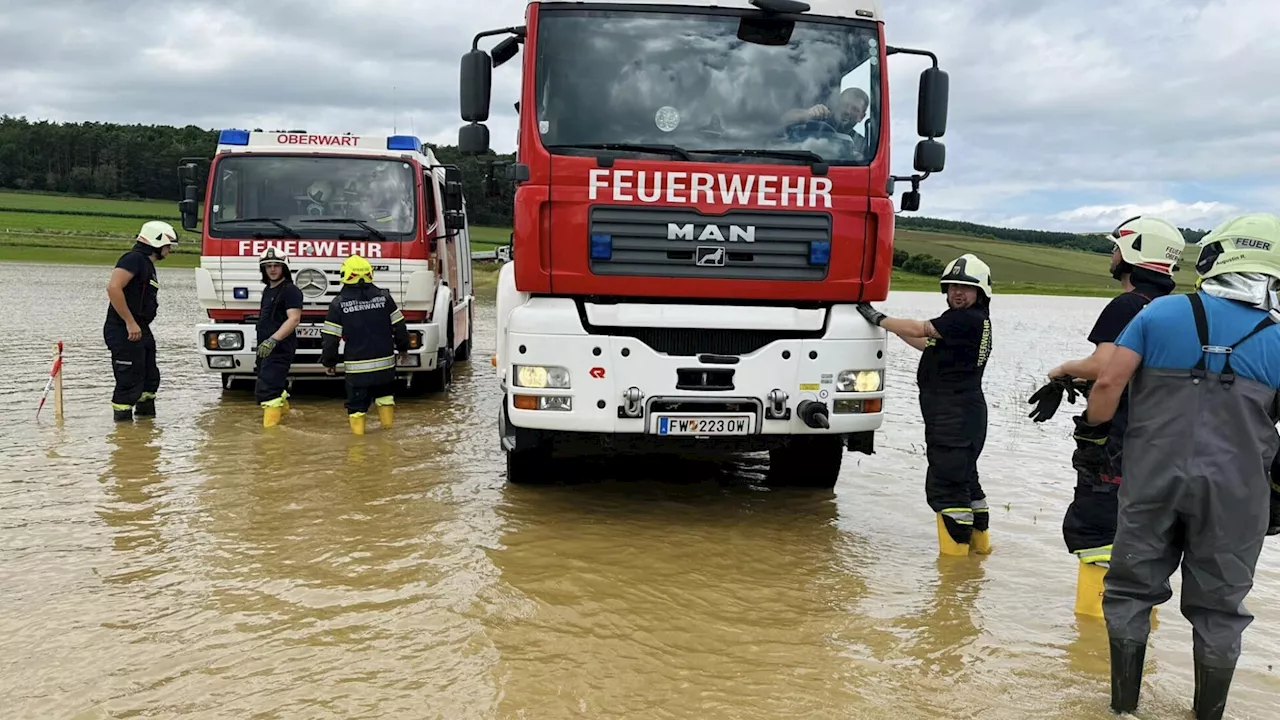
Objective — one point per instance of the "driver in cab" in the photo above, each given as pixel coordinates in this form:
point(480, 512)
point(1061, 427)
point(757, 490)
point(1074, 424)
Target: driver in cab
point(851, 109)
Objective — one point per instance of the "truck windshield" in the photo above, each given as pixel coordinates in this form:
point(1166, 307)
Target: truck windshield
point(687, 79)
point(273, 190)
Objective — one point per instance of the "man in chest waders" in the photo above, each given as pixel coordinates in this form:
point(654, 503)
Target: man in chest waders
point(1203, 372)
point(365, 317)
point(132, 292)
point(278, 316)
point(1146, 251)
point(955, 347)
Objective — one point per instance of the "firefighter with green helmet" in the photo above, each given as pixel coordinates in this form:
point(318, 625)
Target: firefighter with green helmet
point(367, 320)
point(1203, 375)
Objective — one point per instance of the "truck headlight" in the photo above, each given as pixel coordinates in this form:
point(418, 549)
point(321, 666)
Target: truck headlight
point(859, 380)
point(542, 376)
point(228, 340)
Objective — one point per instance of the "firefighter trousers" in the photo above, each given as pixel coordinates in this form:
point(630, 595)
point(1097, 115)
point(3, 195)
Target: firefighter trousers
point(955, 431)
point(1089, 525)
point(365, 388)
point(273, 376)
point(133, 362)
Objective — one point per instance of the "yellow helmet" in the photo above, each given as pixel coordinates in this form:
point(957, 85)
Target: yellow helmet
point(355, 269)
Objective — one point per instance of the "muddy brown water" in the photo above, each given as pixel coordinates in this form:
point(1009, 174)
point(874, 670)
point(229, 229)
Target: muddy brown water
point(198, 566)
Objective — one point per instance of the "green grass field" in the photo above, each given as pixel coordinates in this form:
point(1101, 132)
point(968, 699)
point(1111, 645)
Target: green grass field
point(66, 229)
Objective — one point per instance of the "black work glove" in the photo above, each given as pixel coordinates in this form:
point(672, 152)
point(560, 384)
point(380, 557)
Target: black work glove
point(1048, 397)
point(1046, 401)
point(872, 315)
point(1095, 435)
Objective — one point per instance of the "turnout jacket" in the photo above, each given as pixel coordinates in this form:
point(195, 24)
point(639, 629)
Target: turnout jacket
point(365, 316)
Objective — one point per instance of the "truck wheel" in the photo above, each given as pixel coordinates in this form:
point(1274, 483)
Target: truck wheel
point(463, 353)
point(808, 461)
point(441, 378)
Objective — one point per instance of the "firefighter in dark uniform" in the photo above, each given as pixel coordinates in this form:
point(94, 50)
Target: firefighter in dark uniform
point(1146, 251)
point(955, 347)
point(366, 318)
point(132, 292)
point(278, 316)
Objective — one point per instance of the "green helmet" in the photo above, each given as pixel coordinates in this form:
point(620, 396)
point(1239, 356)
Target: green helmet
point(1247, 243)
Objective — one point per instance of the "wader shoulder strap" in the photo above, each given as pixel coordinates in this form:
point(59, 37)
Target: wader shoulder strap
point(1202, 329)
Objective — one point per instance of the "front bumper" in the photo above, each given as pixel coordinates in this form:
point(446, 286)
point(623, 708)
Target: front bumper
point(620, 386)
point(240, 362)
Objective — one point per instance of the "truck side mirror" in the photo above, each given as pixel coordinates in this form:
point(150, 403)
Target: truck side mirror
point(187, 173)
point(506, 50)
point(187, 208)
point(931, 110)
point(931, 156)
point(455, 217)
point(473, 139)
point(477, 79)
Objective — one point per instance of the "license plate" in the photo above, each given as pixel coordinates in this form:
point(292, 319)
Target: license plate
point(694, 425)
point(310, 331)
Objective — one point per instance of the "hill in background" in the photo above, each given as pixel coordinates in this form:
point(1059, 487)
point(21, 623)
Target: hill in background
point(121, 173)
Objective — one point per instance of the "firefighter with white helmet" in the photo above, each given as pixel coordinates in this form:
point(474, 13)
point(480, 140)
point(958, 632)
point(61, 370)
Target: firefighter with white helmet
point(132, 293)
point(955, 347)
point(366, 319)
point(279, 314)
point(1203, 375)
point(1146, 251)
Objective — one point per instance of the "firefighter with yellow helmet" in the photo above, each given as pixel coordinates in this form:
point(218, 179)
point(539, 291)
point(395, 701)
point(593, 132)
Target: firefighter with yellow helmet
point(366, 318)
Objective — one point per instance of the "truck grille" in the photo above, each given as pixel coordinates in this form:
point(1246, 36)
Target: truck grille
point(637, 241)
point(696, 341)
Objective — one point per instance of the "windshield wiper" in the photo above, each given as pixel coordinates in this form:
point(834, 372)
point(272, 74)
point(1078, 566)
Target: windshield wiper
point(806, 155)
point(289, 232)
point(639, 147)
point(364, 225)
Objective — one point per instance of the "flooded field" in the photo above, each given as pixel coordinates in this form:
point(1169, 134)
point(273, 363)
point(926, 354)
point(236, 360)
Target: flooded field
point(198, 566)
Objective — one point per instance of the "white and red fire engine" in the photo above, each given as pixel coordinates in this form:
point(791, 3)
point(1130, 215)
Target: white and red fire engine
point(320, 199)
point(704, 194)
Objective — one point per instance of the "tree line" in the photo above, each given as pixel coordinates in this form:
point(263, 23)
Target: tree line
point(140, 162)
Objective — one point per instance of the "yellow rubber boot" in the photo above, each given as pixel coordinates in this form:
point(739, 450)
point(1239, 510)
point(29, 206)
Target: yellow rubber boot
point(357, 423)
point(271, 415)
point(386, 411)
point(980, 542)
point(1089, 586)
point(285, 398)
point(946, 545)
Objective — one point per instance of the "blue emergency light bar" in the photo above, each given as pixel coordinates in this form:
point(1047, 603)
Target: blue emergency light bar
point(233, 137)
point(404, 142)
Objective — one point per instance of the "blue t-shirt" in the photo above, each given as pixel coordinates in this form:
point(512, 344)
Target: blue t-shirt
point(1164, 334)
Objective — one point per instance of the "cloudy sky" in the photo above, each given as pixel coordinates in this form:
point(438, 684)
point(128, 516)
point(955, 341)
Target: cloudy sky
point(1064, 115)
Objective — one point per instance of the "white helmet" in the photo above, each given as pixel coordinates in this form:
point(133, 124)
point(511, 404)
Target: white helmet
point(273, 255)
point(320, 191)
point(1150, 243)
point(1247, 243)
point(968, 270)
point(157, 234)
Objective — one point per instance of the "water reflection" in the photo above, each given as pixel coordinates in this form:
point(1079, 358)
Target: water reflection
point(699, 591)
point(135, 492)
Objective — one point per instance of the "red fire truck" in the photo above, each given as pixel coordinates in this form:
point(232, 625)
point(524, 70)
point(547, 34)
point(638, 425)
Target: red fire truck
point(703, 194)
point(320, 199)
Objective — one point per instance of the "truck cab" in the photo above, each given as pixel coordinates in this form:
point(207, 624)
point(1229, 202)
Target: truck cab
point(703, 195)
point(321, 199)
